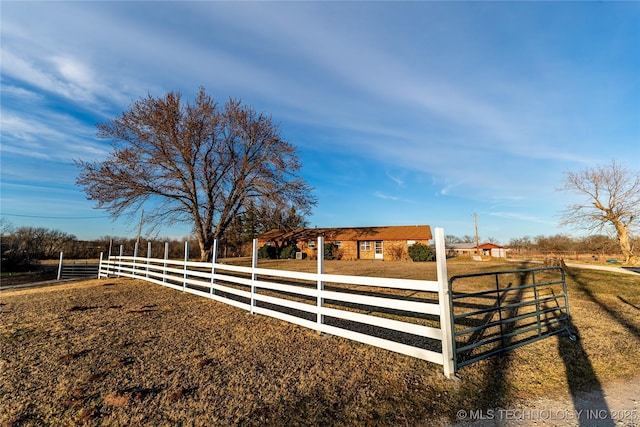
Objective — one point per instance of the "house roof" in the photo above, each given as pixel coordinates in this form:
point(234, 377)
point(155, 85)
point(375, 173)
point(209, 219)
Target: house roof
point(460, 246)
point(395, 232)
point(490, 246)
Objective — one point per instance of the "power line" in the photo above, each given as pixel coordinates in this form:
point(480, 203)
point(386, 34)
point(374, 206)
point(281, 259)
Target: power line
point(54, 217)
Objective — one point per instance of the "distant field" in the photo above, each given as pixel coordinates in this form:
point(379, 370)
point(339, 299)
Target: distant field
point(125, 352)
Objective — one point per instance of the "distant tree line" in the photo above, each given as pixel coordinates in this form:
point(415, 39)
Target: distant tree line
point(23, 247)
point(560, 243)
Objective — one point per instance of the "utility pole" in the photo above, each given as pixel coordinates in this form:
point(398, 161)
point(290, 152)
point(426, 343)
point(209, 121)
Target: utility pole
point(475, 221)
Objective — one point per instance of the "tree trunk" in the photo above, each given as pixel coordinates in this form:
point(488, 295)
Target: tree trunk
point(206, 247)
point(625, 245)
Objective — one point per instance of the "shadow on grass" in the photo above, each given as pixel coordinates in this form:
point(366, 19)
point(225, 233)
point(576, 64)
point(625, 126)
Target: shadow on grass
point(495, 382)
point(628, 303)
point(615, 316)
point(581, 377)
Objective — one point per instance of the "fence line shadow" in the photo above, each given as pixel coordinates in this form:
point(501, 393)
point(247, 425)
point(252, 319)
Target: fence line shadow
point(495, 382)
point(628, 303)
point(580, 373)
point(617, 317)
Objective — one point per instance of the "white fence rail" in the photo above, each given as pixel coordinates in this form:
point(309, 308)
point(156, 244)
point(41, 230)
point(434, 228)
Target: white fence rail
point(411, 317)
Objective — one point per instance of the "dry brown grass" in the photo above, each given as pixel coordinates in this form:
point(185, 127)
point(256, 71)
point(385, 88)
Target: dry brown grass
point(125, 352)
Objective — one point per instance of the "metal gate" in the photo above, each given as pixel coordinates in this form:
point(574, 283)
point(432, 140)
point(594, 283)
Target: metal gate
point(76, 269)
point(499, 311)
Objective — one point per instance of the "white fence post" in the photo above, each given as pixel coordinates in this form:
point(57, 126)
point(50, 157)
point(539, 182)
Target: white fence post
point(100, 266)
point(148, 257)
point(166, 256)
point(60, 266)
point(186, 259)
point(444, 298)
point(214, 260)
point(135, 256)
point(320, 302)
point(120, 260)
point(254, 276)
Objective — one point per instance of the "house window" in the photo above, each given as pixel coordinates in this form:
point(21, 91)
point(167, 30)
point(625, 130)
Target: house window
point(365, 246)
point(378, 247)
point(411, 242)
point(337, 244)
point(311, 243)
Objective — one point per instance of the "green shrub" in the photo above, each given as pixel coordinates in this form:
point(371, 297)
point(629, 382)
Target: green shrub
point(328, 251)
point(267, 252)
point(288, 252)
point(420, 253)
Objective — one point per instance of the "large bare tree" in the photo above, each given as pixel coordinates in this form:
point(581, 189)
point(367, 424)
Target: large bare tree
point(198, 162)
point(611, 199)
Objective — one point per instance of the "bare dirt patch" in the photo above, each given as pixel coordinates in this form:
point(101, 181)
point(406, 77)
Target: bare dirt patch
point(142, 354)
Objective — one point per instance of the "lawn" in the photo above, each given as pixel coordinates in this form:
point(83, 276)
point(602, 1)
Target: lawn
point(126, 352)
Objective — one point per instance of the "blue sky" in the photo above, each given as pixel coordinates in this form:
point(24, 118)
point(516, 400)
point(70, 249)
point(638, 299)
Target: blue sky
point(403, 112)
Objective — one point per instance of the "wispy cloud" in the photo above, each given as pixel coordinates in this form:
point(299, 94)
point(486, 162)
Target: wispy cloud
point(439, 124)
point(74, 72)
point(399, 182)
point(521, 217)
point(17, 92)
point(54, 136)
point(384, 196)
point(392, 197)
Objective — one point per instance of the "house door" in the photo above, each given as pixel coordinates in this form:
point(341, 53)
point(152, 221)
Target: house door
point(379, 252)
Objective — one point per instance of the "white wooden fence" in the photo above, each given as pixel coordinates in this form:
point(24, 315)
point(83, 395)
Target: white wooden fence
point(411, 317)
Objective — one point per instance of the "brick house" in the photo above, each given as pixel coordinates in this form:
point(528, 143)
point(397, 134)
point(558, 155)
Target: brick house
point(388, 243)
